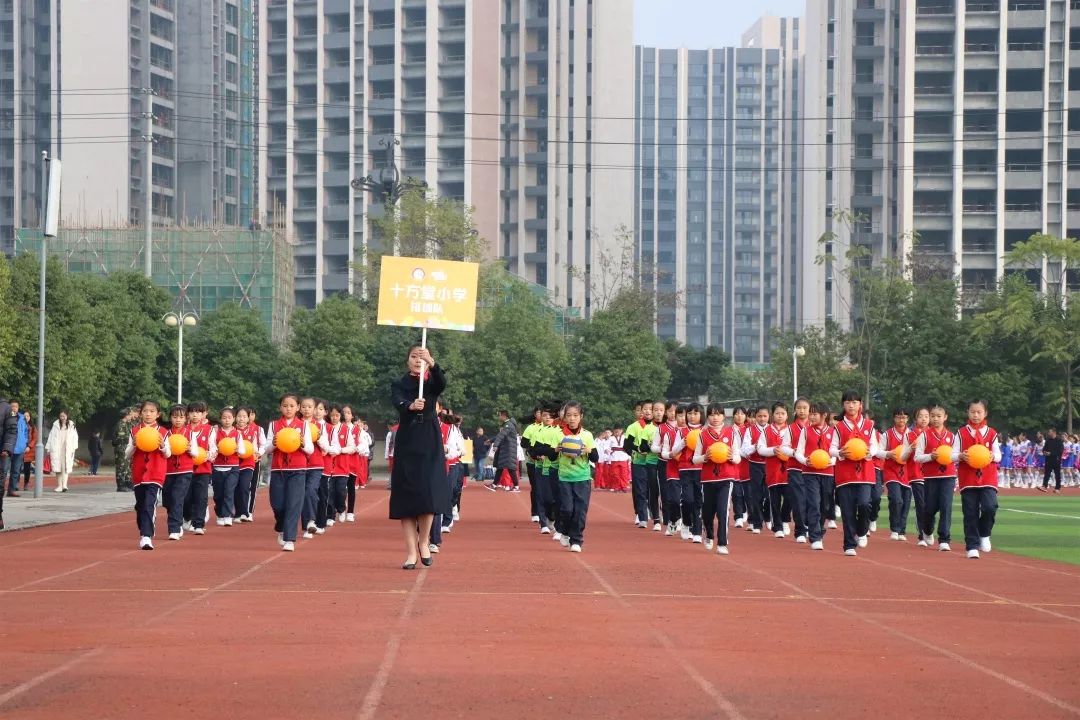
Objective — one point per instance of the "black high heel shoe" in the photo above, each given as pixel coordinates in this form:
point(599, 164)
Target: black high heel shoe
point(409, 566)
point(427, 561)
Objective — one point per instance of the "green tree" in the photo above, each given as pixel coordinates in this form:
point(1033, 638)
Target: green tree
point(824, 371)
point(1031, 308)
point(328, 352)
point(233, 360)
point(695, 372)
point(8, 316)
point(615, 359)
point(515, 356)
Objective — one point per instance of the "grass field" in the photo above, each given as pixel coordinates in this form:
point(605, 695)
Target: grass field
point(1036, 525)
point(1043, 526)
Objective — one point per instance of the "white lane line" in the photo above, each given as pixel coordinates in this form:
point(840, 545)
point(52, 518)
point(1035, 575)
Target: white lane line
point(1032, 512)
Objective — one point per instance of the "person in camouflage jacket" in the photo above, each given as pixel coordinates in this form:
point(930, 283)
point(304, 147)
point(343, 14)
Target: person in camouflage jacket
point(119, 443)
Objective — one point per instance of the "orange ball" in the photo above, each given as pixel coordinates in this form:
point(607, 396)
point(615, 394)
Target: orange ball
point(201, 457)
point(147, 439)
point(692, 439)
point(178, 444)
point(818, 460)
point(943, 454)
point(979, 456)
point(897, 453)
point(244, 449)
point(226, 446)
point(781, 456)
point(719, 453)
point(855, 449)
point(314, 432)
point(288, 440)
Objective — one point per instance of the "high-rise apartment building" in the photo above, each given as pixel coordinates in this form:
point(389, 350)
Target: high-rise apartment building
point(853, 185)
point(992, 96)
point(715, 198)
point(190, 66)
point(496, 104)
point(28, 103)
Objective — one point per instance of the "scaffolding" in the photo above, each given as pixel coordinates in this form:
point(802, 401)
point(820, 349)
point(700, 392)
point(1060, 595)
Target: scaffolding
point(202, 267)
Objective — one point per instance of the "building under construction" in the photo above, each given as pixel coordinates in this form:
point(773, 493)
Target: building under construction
point(202, 267)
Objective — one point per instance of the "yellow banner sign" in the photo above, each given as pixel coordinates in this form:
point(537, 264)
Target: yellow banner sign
point(438, 294)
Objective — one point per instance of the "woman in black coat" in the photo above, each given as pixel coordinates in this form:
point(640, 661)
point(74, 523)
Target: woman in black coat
point(418, 486)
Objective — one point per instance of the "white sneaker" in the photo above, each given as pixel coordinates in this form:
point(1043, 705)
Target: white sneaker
point(973, 554)
point(817, 545)
point(656, 527)
point(739, 522)
point(174, 536)
point(557, 537)
point(350, 517)
point(873, 526)
point(984, 544)
point(801, 539)
point(308, 535)
point(685, 534)
point(929, 540)
point(778, 533)
point(902, 538)
point(641, 524)
point(433, 548)
point(836, 512)
point(851, 552)
point(329, 522)
point(696, 539)
point(146, 543)
point(199, 531)
point(320, 531)
point(228, 522)
point(575, 548)
point(281, 538)
point(341, 517)
point(894, 536)
point(564, 541)
point(922, 543)
point(669, 531)
point(221, 522)
point(188, 526)
point(456, 513)
point(944, 547)
point(545, 530)
point(787, 529)
point(446, 529)
point(246, 518)
point(535, 519)
point(864, 540)
point(832, 525)
point(722, 550)
point(288, 547)
point(708, 544)
point(756, 531)
point(749, 527)
point(311, 526)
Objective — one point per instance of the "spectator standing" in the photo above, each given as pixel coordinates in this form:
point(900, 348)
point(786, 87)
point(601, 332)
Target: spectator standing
point(503, 452)
point(481, 447)
point(1053, 448)
point(120, 438)
point(94, 445)
point(31, 443)
point(5, 410)
point(18, 452)
point(61, 446)
point(10, 465)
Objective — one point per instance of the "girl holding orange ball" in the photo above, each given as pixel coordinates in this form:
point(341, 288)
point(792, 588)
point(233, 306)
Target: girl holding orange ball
point(718, 454)
point(894, 452)
point(178, 470)
point(979, 451)
point(224, 443)
point(854, 446)
point(246, 483)
point(769, 447)
point(147, 451)
point(289, 439)
point(934, 451)
point(813, 452)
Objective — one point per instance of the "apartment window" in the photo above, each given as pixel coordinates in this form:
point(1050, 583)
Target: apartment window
point(232, 15)
point(231, 45)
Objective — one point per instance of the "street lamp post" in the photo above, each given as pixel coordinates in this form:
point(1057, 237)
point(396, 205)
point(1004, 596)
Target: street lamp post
point(797, 352)
point(178, 321)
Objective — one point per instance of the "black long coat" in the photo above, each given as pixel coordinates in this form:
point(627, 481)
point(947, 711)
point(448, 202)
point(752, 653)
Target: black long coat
point(418, 484)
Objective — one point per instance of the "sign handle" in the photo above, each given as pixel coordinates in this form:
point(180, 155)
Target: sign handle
point(423, 365)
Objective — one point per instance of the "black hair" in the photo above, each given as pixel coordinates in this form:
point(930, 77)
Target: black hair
point(288, 395)
point(898, 411)
point(227, 409)
point(714, 409)
point(986, 407)
point(820, 409)
point(197, 406)
point(802, 400)
point(573, 405)
point(759, 408)
point(681, 409)
point(333, 407)
point(671, 404)
point(182, 409)
point(850, 395)
point(776, 406)
point(693, 406)
point(144, 403)
point(930, 407)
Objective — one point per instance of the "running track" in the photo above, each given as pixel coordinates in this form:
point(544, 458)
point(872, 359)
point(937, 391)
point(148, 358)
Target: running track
point(509, 624)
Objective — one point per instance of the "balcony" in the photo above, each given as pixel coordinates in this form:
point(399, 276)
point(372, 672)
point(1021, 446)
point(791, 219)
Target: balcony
point(979, 208)
point(975, 48)
point(934, 50)
point(933, 209)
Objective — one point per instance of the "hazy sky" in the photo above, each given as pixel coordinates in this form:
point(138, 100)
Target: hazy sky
point(702, 23)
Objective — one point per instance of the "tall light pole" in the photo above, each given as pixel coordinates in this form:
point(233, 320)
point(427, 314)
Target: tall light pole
point(50, 222)
point(797, 352)
point(178, 321)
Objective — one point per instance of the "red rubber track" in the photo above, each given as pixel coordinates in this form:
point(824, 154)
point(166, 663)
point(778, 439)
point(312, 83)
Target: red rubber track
point(509, 624)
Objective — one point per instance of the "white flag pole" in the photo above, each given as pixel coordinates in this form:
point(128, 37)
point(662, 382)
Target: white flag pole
point(423, 365)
